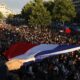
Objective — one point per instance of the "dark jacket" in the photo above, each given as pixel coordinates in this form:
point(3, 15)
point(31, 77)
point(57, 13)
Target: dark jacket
point(3, 71)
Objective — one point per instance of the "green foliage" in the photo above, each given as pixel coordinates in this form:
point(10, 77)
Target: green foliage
point(50, 6)
point(40, 16)
point(40, 13)
point(38, 1)
point(1, 15)
point(27, 10)
point(64, 10)
point(10, 16)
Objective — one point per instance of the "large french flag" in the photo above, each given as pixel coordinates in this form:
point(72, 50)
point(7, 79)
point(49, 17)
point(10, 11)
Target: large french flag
point(29, 52)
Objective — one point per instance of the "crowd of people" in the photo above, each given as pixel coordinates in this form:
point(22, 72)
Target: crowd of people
point(59, 67)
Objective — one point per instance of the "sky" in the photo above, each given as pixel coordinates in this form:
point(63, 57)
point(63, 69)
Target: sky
point(15, 5)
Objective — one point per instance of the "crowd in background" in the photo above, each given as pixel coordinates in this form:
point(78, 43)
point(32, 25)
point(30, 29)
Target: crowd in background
point(10, 34)
point(60, 67)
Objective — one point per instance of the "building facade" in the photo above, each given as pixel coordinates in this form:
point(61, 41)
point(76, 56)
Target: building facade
point(5, 11)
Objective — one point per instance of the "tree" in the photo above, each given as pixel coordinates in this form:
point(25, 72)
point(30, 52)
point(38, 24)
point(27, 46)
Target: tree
point(40, 16)
point(64, 10)
point(10, 16)
point(27, 10)
point(50, 6)
point(38, 1)
point(1, 15)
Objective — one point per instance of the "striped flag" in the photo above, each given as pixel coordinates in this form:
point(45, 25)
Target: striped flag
point(28, 51)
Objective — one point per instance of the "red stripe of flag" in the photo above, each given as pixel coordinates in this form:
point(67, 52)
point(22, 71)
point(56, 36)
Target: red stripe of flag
point(18, 49)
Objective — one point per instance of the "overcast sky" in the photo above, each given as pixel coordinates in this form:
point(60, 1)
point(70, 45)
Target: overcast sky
point(15, 5)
